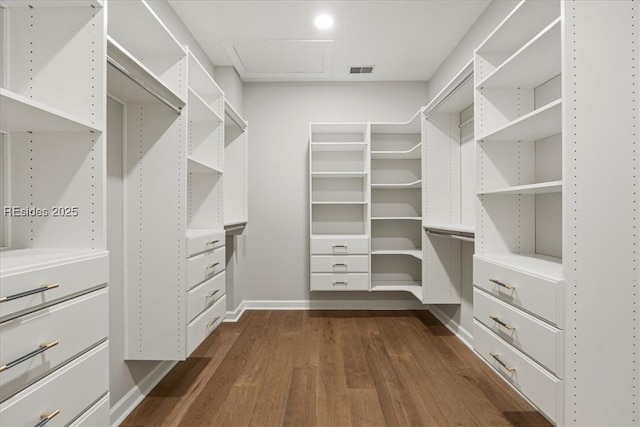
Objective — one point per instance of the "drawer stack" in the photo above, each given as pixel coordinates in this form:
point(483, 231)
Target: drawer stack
point(206, 301)
point(518, 329)
point(53, 336)
point(339, 263)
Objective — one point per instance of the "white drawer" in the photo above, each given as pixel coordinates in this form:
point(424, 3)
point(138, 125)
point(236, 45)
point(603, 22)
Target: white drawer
point(337, 245)
point(536, 294)
point(202, 267)
point(202, 296)
point(75, 325)
point(539, 340)
point(340, 264)
point(340, 282)
point(71, 276)
point(203, 325)
point(198, 241)
point(70, 390)
point(96, 416)
point(542, 388)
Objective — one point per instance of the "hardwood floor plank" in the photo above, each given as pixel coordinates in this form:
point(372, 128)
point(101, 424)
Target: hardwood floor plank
point(301, 408)
point(308, 350)
point(365, 408)
point(238, 407)
point(356, 368)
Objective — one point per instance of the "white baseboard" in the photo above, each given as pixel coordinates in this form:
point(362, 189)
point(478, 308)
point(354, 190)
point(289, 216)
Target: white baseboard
point(234, 316)
point(129, 401)
point(460, 332)
point(333, 305)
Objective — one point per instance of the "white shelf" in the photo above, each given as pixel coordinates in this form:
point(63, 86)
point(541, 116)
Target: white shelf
point(338, 203)
point(543, 51)
point(414, 184)
point(338, 146)
point(200, 111)
point(413, 153)
point(22, 114)
point(52, 3)
point(540, 123)
point(200, 232)
point(234, 116)
point(416, 253)
point(532, 264)
point(201, 81)
point(540, 188)
point(394, 218)
point(14, 261)
point(196, 166)
point(451, 228)
point(337, 235)
point(338, 174)
point(130, 92)
point(414, 287)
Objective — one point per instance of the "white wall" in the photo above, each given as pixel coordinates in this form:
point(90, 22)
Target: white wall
point(230, 83)
point(277, 244)
point(492, 16)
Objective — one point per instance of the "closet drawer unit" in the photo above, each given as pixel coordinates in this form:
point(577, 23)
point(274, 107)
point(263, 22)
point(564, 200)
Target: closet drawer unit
point(198, 241)
point(539, 340)
point(542, 388)
point(203, 325)
point(96, 415)
point(70, 390)
point(538, 295)
point(204, 266)
point(60, 281)
point(69, 328)
point(202, 296)
point(340, 282)
point(340, 264)
point(336, 245)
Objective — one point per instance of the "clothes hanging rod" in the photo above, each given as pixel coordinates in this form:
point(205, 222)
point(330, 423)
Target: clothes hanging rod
point(451, 236)
point(230, 112)
point(452, 92)
point(142, 84)
point(465, 123)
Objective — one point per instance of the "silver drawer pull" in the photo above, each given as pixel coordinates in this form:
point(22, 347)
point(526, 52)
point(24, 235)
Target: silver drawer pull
point(210, 266)
point(501, 323)
point(499, 283)
point(213, 321)
point(343, 283)
point(41, 349)
point(212, 242)
point(340, 265)
point(212, 294)
point(497, 357)
point(42, 288)
point(45, 417)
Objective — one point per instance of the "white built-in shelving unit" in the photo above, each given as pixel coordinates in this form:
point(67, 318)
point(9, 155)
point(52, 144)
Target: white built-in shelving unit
point(236, 181)
point(53, 260)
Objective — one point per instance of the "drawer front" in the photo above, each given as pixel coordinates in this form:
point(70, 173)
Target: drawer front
point(71, 278)
point(340, 282)
point(340, 264)
point(203, 325)
point(204, 266)
point(335, 245)
point(537, 295)
point(97, 415)
point(204, 295)
point(539, 340)
point(200, 242)
point(70, 390)
point(542, 388)
point(74, 325)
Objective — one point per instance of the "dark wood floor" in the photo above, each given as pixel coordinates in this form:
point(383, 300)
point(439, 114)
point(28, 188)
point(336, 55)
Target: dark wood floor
point(333, 368)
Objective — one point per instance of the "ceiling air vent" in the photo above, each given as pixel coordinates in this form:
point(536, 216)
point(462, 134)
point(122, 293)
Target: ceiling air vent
point(361, 70)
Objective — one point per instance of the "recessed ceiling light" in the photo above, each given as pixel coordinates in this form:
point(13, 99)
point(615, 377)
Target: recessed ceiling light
point(324, 22)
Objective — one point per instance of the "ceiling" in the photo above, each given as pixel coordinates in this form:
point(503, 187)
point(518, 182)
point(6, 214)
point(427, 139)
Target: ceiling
point(277, 40)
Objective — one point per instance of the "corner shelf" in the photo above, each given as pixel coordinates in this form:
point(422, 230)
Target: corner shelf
point(540, 123)
point(415, 288)
point(338, 203)
point(414, 184)
point(413, 153)
point(338, 174)
point(540, 188)
point(396, 218)
point(338, 146)
point(450, 228)
point(200, 111)
point(196, 166)
point(416, 253)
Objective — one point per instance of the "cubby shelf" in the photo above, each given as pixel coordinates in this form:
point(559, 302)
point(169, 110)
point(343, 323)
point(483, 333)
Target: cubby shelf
point(414, 288)
point(196, 166)
point(540, 123)
point(22, 114)
point(414, 184)
point(540, 188)
point(416, 253)
point(543, 50)
point(338, 174)
point(338, 203)
point(201, 83)
point(53, 3)
point(394, 218)
point(413, 153)
point(338, 146)
point(532, 264)
point(200, 111)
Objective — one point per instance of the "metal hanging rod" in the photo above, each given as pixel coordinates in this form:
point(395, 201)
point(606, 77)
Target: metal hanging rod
point(451, 236)
point(142, 84)
point(452, 92)
point(465, 123)
point(232, 114)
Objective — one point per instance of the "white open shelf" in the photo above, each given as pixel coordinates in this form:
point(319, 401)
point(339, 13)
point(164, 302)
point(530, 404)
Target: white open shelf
point(14, 261)
point(199, 232)
point(201, 83)
point(533, 264)
point(543, 50)
point(338, 174)
point(197, 166)
point(416, 253)
point(338, 146)
point(413, 153)
point(539, 188)
point(540, 123)
point(414, 184)
point(415, 288)
point(450, 228)
point(130, 92)
point(338, 203)
point(338, 132)
point(52, 3)
point(394, 218)
point(22, 114)
point(200, 111)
